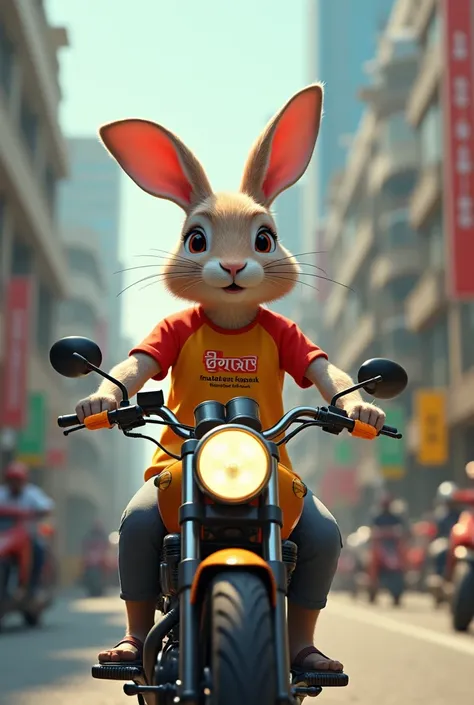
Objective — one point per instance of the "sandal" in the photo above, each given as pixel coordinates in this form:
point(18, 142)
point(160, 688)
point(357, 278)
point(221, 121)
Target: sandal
point(298, 667)
point(133, 641)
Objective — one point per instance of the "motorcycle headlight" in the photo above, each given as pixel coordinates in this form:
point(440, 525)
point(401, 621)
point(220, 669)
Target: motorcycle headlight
point(233, 465)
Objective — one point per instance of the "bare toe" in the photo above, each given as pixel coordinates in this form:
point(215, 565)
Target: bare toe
point(318, 662)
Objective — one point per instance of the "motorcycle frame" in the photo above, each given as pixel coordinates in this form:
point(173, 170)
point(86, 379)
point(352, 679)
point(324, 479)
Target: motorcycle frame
point(191, 517)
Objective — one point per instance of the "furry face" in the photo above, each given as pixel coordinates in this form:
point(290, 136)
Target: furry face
point(229, 252)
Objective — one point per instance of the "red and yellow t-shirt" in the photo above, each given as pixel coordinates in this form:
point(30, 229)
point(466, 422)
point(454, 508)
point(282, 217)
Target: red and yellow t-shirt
point(212, 363)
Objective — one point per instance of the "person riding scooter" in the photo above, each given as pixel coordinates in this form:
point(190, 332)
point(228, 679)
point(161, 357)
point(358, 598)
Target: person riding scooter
point(389, 532)
point(17, 492)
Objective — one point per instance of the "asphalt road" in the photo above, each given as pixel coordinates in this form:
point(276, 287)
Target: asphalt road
point(408, 656)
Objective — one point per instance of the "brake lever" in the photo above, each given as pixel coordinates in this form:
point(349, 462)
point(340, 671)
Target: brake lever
point(71, 430)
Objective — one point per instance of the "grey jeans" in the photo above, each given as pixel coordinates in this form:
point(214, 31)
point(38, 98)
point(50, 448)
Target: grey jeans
point(142, 531)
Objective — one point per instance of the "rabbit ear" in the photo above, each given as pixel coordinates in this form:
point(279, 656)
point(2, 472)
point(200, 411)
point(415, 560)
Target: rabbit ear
point(157, 161)
point(282, 153)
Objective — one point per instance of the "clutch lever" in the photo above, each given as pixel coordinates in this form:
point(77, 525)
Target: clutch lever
point(71, 430)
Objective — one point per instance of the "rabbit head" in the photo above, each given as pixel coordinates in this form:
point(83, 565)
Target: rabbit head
point(229, 249)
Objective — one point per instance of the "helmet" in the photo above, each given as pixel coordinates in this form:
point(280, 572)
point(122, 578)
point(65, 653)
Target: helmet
point(445, 492)
point(17, 470)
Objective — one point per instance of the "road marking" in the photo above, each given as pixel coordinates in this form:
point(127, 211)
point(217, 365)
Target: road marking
point(460, 642)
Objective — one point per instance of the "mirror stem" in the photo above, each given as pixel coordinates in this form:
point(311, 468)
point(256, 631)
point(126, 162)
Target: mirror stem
point(337, 396)
point(93, 368)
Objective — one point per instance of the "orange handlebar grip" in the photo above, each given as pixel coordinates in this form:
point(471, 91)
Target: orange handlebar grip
point(364, 430)
point(97, 421)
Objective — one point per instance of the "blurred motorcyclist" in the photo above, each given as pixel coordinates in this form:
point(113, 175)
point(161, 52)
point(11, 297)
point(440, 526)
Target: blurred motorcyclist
point(19, 493)
point(96, 535)
point(446, 516)
point(385, 514)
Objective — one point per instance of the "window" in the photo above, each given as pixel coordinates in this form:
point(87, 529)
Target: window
point(82, 261)
point(29, 125)
point(434, 242)
point(431, 136)
point(6, 61)
point(396, 229)
point(22, 257)
point(44, 323)
point(435, 354)
point(467, 335)
point(396, 131)
point(79, 313)
point(399, 289)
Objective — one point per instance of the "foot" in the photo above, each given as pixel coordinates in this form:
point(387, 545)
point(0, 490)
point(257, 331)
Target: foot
point(129, 649)
point(311, 659)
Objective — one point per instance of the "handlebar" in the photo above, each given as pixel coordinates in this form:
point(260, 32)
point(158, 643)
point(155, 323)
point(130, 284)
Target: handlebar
point(131, 416)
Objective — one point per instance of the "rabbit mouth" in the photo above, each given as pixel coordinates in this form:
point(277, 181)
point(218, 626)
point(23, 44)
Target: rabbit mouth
point(233, 288)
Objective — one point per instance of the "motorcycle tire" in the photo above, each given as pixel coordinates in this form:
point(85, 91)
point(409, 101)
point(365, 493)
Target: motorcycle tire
point(242, 648)
point(462, 604)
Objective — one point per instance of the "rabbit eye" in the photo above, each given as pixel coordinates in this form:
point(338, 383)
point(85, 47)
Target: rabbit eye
point(195, 241)
point(265, 240)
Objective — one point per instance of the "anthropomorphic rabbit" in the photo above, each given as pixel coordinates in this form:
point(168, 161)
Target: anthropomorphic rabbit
point(228, 262)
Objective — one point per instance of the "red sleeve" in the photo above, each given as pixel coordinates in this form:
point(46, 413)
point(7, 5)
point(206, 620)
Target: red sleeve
point(166, 340)
point(296, 351)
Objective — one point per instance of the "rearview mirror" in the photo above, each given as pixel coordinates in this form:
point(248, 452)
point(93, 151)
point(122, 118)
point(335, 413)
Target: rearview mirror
point(64, 361)
point(393, 382)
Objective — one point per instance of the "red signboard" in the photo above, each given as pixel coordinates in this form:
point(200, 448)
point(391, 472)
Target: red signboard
point(14, 406)
point(458, 107)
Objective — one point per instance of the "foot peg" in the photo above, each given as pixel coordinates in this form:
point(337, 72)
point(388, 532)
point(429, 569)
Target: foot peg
point(321, 679)
point(116, 671)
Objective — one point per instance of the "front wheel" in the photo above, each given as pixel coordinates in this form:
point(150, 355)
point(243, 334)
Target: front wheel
point(242, 656)
point(462, 605)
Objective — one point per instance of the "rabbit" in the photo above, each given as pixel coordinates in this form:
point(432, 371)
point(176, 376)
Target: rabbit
point(229, 263)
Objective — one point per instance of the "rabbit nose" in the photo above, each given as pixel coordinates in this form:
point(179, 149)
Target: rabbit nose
point(234, 268)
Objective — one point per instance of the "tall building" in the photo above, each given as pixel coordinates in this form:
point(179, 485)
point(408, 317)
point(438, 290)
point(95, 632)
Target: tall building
point(33, 264)
point(440, 309)
point(373, 250)
point(342, 38)
point(400, 232)
point(90, 198)
point(90, 202)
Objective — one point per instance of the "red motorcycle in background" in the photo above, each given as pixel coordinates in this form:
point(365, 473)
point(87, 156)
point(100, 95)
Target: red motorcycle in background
point(15, 566)
point(423, 533)
point(460, 563)
point(96, 566)
point(387, 562)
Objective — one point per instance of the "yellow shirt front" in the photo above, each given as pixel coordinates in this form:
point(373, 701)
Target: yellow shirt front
point(212, 363)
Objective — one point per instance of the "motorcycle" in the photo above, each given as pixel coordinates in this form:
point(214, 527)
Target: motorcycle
point(460, 564)
point(229, 507)
point(15, 567)
point(423, 533)
point(387, 563)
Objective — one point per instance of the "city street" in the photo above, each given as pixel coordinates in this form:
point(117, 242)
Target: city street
point(409, 656)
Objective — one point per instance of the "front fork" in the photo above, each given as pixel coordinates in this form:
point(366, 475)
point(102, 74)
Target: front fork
point(191, 512)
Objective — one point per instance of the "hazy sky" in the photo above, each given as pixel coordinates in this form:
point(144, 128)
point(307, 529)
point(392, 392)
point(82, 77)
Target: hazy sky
point(213, 71)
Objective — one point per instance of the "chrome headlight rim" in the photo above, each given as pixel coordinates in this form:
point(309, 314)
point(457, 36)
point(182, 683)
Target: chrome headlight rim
point(197, 459)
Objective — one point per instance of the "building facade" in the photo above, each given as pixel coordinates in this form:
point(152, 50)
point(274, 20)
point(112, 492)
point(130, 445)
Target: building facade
point(392, 240)
point(33, 264)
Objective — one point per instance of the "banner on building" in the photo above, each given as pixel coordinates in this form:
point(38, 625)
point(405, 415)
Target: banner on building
point(391, 452)
point(31, 446)
point(344, 451)
point(458, 115)
point(430, 413)
point(339, 487)
point(13, 409)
